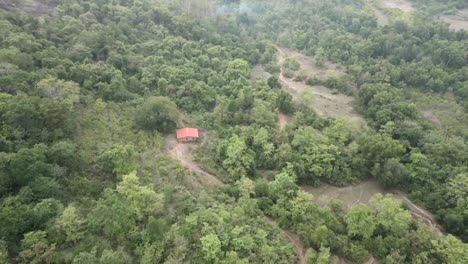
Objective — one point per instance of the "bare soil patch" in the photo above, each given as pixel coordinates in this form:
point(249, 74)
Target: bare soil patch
point(443, 111)
point(458, 21)
point(362, 194)
point(30, 7)
point(431, 117)
point(308, 64)
point(283, 120)
point(326, 103)
point(182, 153)
point(382, 19)
point(259, 73)
point(402, 5)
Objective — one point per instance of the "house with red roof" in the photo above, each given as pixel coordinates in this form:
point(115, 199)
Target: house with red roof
point(187, 134)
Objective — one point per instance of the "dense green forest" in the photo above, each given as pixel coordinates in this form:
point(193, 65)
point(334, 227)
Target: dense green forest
point(92, 91)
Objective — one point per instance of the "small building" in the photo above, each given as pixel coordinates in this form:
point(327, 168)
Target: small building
point(187, 134)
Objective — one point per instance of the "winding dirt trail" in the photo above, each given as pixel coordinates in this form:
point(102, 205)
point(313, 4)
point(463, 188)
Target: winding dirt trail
point(362, 193)
point(182, 153)
point(295, 240)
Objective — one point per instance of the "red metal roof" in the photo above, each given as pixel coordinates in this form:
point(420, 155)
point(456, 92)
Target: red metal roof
point(187, 132)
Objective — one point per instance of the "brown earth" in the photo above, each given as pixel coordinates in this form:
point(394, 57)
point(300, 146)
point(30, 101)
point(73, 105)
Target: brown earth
point(283, 120)
point(30, 7)
point(326, 103)
point(431, 117)
point(458, 21)
point(259, 73)
point(182, 153)
point(301, 249)
point(362, 193)
point(402, 5)
point(308, 64)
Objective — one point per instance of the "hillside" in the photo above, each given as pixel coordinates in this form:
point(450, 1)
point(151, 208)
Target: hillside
point(29, 7)
point(329, 132)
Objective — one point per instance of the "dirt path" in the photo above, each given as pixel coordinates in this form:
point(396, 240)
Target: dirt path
point(420, 213)
point(283, 120)
point(325, 103)
point(182, 153)
point(295, 240)
point(362, 193)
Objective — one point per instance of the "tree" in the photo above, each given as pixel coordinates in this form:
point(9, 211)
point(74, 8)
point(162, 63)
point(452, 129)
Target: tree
point(391, 215)
point(284, 186)
point(36, 249)
point(274, 83)
point(360, 221)
point(28, 164)
point(315, 155)
point(120, 160)
point(376, 149)
point(237, 69)
point(264, 149)
point(450, 250)
point(211, 247)
point(320, 57)
point(383, 103)
point(113, 216)
point(70, 223)
point(141, 199)
point(324, 255)
point(86, 257)
point(3, 252)
point(115, 257)
point(392, 174)
point(157, 113)
point(239, 158)
point(65, 91)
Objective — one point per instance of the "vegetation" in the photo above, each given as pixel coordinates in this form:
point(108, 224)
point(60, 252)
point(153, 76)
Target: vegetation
point(89, 93)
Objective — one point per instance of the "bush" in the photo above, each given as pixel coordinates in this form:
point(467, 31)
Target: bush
point(312, 81)
point(300, 77)
point(157, 113)
point(288, 73)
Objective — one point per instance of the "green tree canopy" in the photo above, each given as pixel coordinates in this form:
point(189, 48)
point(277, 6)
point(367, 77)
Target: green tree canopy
point(157, 113)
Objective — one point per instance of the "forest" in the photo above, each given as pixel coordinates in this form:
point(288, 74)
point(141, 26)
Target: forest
point(331, 131)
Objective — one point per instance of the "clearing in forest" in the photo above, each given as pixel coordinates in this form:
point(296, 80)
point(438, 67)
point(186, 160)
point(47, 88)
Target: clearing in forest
point(362, 193)
point(283, 120)
point(259, 73)
point(402, 5)
point(182, 153)
point(458, 21)
point(326, 103)
point(443, 111)
point(382, 19)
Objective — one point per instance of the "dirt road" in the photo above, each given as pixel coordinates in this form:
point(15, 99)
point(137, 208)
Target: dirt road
point(182, 153)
